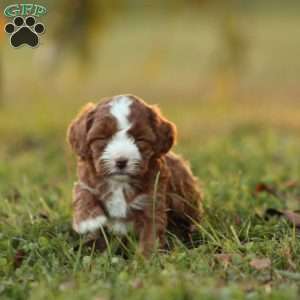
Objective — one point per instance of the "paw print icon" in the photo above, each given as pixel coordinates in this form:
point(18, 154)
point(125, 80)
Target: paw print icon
point(24, 31)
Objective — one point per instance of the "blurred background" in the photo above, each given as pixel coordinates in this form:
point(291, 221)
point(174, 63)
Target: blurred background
point(213, 66)
point(226, 72)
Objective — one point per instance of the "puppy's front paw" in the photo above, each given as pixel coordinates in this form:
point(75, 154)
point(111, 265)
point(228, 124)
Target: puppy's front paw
point(90, 225)
point(119, 228)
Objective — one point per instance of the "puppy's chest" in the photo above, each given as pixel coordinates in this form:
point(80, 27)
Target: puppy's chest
point(116, 200)
point(121, 202)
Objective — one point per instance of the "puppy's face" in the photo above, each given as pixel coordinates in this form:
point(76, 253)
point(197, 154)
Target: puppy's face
point(120, 136)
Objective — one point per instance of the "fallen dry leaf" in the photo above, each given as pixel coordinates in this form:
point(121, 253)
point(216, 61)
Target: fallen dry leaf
point(260, 263)
point(137, 283)
point(223, 259)
point(267, 188)
point(291, 184)
point(263, 187)
point(292, 217)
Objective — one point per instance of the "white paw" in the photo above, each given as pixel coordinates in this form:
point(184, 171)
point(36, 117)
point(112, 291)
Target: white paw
point(119, 228)
point(90, 225)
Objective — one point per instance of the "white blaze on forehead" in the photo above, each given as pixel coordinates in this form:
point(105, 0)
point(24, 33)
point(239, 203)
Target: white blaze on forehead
point(120, 109)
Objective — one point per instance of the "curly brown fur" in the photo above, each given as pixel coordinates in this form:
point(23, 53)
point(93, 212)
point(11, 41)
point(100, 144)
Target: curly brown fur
point(127, 174)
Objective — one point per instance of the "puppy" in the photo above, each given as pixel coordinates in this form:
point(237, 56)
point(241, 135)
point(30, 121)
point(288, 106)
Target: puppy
point(127, 176)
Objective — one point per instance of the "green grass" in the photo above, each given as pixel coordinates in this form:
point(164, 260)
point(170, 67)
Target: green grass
point(235, 133)
point(35, 221)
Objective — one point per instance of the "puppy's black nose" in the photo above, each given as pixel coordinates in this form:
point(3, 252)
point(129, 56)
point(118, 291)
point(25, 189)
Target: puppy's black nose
point(121, 163)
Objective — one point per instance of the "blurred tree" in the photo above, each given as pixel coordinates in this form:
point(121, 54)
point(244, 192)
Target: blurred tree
point(231, 54)
point(78, 25)
point(233, 44)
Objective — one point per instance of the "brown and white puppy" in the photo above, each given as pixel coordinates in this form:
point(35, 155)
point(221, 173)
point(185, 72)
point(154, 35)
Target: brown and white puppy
point(127, 176)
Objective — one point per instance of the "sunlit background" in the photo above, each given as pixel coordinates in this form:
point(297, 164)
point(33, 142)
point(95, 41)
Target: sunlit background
point(209, 64)
point(214, 67)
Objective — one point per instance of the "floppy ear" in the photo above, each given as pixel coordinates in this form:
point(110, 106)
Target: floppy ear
point(78, 130)
point(165, 131)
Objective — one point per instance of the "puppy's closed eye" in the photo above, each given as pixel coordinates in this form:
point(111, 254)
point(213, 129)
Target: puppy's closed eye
point(143, 140)
point(143, 143)
point(98, 145)
point(145, 146)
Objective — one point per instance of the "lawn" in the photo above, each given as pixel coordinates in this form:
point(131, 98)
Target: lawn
point(40, 257)
point(245, 152)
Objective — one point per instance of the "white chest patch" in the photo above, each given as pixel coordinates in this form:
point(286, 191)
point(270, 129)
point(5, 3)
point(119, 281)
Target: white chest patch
point(116, 204)
point(118, 208)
